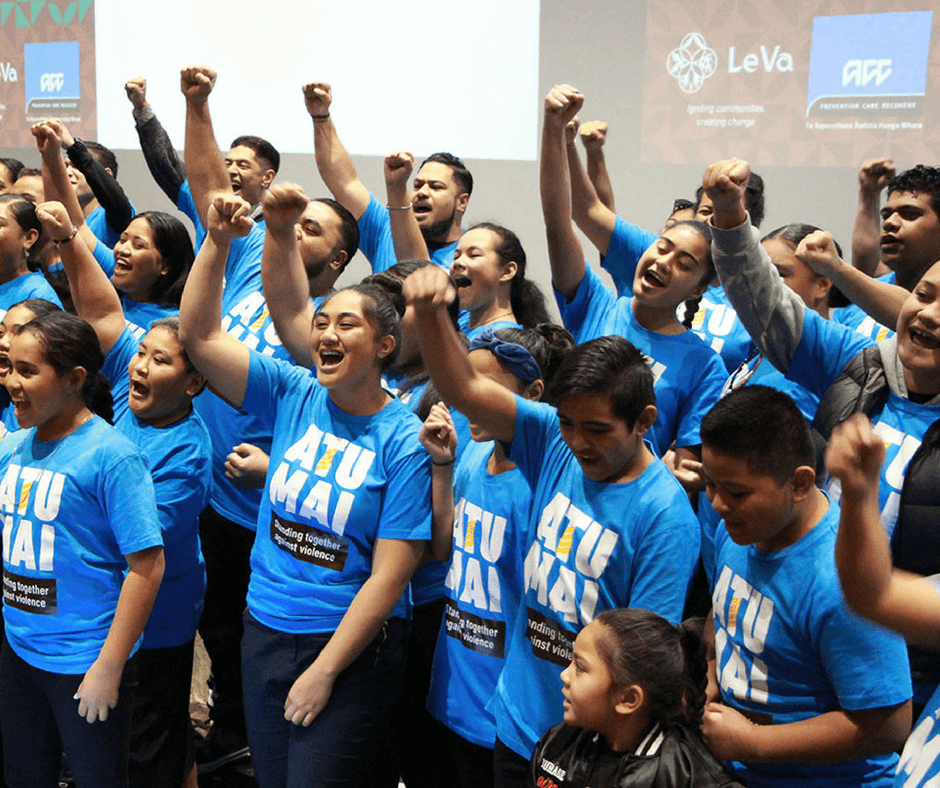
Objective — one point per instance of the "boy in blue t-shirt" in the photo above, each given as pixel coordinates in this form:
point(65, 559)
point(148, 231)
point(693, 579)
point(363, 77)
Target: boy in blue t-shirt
point(810, 694)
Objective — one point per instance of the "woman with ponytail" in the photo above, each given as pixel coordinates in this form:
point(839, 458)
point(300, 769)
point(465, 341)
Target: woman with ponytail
point(634, 694)
point(21, 237)
point(82, 561)
point(489, 273)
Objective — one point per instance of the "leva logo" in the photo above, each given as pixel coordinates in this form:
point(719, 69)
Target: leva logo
point(692, 62)
point(25, 14)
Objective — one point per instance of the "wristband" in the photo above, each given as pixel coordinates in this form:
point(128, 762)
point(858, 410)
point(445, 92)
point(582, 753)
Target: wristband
point(74, 232)
point(320, 117)
point(442, 464)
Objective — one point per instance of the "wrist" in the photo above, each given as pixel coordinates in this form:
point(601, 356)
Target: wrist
point(67, 239)
point(320, 118)
point(445, 464)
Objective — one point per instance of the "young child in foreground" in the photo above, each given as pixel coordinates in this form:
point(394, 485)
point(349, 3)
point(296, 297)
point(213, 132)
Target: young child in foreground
point(810, 694)
point(907, 603)
point(634, 693)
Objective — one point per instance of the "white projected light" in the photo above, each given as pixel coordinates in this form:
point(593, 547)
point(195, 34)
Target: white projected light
point(422, 75)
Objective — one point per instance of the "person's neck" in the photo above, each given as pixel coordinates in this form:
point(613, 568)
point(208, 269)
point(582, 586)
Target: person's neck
point(627, 731)
point(88, 204)
point(445, 239)
point(927, 384)
point(65, 423)
point(497, 462)
point(642, 459)
point(321, 285)
point(361, 397)
point(659, 320)
point(11, 268)
point(498, 309)
point(808, 514)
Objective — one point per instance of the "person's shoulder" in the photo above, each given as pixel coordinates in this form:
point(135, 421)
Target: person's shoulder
point(684, 755)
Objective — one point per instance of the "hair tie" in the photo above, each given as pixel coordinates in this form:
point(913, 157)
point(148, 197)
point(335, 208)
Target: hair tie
point(519, 360)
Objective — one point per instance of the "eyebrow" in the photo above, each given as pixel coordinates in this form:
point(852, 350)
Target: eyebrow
point(310, 223)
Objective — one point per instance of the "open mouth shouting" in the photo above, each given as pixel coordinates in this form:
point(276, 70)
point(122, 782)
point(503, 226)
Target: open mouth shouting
point(923, 338)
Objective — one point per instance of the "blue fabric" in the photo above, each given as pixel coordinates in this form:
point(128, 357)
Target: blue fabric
point(859, 320)
point(483, 584)
point(591, 546)
point(336, 483)
point(515, 357)
point(919, 765)
point(30, 285)
point(718, 324)
point(139, 315)
point(105, 257)
point(788, 648)
point(689, 375)
point(757, 370)
point(97, 222)
point(624, 250)
point(73, 508)
point(180, 460)
point(375, 240)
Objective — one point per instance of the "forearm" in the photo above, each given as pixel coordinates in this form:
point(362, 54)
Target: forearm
point(600, 178)
point(442, 510)
point(593, 218)
point(138, 592)
point(564, 250)
point(287, 292)
point(162, 159)
point(881, 300)
point(104, 186)
point(337, 170)
point(830, 738)
point(407, 239)
point(207, 174)
point(866, 253)
point(769, 310)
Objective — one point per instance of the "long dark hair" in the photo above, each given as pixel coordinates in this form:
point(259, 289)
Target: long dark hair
point(642, 648)
point(172, 241)
point(68, 342)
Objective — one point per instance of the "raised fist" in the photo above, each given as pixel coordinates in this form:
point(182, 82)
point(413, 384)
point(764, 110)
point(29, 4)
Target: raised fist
point(318, 96)
point(594, 134)
point(55, 220)
point(562, 103)
point(283, 205)
point(875, 174)
point(228, 217)
point(818, 251)
point(398, 167)
point(197, 82)
point(725, 182)
point(137, 91)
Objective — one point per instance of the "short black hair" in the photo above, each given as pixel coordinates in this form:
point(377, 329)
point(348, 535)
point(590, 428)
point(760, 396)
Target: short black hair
point(349, 228)
point(607, 365)
point(920, 179)
point(263, 150)
point(104, 156)
point(762, 426)
point(461, 174)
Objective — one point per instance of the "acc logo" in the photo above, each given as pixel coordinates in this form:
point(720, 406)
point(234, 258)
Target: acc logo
point(692, 62)
point(51, 83)
point(861, 72)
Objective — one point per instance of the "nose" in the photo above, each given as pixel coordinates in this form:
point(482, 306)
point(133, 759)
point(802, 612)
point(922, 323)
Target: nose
point(566, 675)
point(890, 222)
point(718, 501)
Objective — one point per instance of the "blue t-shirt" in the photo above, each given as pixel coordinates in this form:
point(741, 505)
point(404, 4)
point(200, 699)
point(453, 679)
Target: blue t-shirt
point(689, 376)
point(72, 509)
point(491, 518)
point(591, 546)
point(180, 460)
point(788, 649)
point(336, 483)
point(624, 250)
point(30, 285)
point(757, 370)
point(375, 240)
point(718, 324)
point(859, 320)
point(97, 222)
point(919, 765)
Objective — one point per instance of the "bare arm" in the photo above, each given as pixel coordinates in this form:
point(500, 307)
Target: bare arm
point(881, 300)
point(393, 563)
point(832, 737)
point(866, 253)
point(204, 164)
point(286, 288)
point(595, 219)
point(439, 438)
point(98, 691)
point(221, 358)
point(564, 249)
point(492, 406)
point(333, 161)
point(95, 298)
point(901, 601)
point(406, 234)
point(593, 137)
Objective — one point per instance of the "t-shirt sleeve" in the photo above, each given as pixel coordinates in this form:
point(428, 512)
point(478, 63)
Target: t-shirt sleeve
point(105, 257)
point(626, 247)
point(185, 202)
point(133, 518)
point(269, 379)
point(585, 315)
point(406, 504)
point(535, 433)
point(375, 236)
point(704, 394)
point(867, 665)
point(824, 349)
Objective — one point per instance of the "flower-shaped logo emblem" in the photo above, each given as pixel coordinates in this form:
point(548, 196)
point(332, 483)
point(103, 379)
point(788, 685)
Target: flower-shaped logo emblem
point(692, 62)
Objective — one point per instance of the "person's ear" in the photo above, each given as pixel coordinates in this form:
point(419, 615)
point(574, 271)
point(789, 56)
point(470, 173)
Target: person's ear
point(534, 390)
point(267, 177)
point(463, 199)
point(803, 482)
point(195, 384)
point(77, 377)
point(386, 346)
point(630, 699)
point(339, 261)
point(509, 271)
point(646, 419)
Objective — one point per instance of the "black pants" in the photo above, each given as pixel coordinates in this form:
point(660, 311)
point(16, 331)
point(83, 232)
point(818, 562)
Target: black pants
point(226, 547)
point(39, 718)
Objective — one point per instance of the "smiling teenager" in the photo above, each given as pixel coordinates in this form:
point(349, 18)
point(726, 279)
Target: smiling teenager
point(343, 524)
point(154, 384)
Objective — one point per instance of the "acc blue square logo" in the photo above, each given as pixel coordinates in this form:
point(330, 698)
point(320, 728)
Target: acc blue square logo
point(52, 78)
point(869, 64)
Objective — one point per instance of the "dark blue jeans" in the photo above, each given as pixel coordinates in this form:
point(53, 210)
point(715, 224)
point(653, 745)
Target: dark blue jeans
point(40, 719)
point(342, 745)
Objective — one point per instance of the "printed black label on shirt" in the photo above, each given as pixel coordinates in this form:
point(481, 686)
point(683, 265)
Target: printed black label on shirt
point(549, 640)
point(482, 635)
point(30, 594)
point(310, 544)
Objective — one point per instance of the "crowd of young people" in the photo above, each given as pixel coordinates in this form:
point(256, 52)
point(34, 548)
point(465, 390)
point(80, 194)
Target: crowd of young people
point(425, 533)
